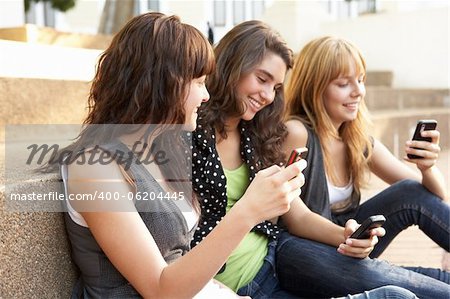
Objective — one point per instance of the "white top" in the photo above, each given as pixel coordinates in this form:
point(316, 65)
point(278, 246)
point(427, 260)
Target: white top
point(191, 217)
point(337, 194)
point(213, 290)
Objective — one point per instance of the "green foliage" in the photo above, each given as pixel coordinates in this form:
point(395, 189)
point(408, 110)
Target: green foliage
point(61, 5)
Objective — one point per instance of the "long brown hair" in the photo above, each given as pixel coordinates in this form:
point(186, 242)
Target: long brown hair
point(143, 78)
point(321, 61)
point(239, 52)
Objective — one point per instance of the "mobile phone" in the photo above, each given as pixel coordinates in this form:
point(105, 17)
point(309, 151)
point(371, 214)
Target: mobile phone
point(363, 232)
point(296, 155)
point(422, 125)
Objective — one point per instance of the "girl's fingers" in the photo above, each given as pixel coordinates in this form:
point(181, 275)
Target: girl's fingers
point(357, 247)
point(379, 232)
point(359, 252)
point(350, 227)
point(433, 134)
point(301, 164)
point(362, 243)
point(423, 145)
point(296, 182)
point(269, 171)
point(292, 173)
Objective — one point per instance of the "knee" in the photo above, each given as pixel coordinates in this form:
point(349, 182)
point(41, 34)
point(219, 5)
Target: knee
point(410, 190)
point(394, 292)
point(409, 184)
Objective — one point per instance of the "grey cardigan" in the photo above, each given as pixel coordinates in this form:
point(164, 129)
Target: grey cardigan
point(315, 191)
point(164, 220)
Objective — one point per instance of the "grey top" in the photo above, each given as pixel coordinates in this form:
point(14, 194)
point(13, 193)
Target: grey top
point(315, 191)
point(164, 220)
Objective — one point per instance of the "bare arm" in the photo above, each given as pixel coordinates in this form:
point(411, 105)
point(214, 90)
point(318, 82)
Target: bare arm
point(432, 178)
point(391, 170)
point(302, 222)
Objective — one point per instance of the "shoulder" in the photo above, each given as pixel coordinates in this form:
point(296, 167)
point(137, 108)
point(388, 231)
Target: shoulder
point(88, 176)
point(379, 149)
point(95, 164)
point(91, 168)
point(297, 132)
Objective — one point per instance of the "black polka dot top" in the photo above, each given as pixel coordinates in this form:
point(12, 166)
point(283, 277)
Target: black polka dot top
point(209, 182)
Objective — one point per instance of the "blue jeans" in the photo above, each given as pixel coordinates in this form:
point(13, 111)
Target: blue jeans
point(266, 285)
point(404, 204)
point(311, 269)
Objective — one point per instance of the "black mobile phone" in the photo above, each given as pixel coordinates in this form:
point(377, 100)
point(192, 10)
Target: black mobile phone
point(363, 232)
point(422, 125)
point(296, 155)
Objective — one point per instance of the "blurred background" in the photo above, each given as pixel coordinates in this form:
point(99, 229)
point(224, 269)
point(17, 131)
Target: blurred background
point(48, 53)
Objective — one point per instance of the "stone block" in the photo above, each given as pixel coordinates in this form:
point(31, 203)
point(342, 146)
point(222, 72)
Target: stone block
point(379, 78)
point(35, 260)
point(394, 128)
point(383, 98)
point(41, 101)
point(49, 36)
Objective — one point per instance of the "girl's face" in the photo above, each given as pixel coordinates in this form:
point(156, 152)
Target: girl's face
point(257, 89)
point(343, 95)
point(197, 94)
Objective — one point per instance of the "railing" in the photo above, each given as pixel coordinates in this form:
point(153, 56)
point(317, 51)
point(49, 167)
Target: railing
point(343, 9)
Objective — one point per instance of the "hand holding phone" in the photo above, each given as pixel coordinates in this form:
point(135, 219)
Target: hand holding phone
point(422, 125)
point(296, 155)
point(363, 232)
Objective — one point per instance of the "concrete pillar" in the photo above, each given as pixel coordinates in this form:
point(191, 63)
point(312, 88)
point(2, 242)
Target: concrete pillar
point(12, 13)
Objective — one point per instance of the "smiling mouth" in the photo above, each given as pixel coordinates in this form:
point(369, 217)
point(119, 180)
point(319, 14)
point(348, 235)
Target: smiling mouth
point(255, 103)
point(351, 105)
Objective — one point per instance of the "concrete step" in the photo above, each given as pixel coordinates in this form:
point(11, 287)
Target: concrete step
point(384, 98)
point(34, 101)
point(31, 33)
point(35, 252)
point(34, 245)
point(379, 78)
point(34, 242)
point(394, 127)
point(42, 101)
point(26, 60)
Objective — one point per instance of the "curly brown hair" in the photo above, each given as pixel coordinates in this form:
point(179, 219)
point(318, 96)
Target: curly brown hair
point(238, 53)
point(146, 70)
point(142, 78)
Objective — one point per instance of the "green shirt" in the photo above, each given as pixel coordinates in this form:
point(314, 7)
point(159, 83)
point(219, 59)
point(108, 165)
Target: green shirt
point(246, 259)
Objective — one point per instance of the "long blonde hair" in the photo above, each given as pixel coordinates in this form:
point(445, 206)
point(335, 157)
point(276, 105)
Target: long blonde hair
point(321, 61)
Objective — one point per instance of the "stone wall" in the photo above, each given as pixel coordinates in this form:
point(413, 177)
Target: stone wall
point(35, 260)
point(35, 257)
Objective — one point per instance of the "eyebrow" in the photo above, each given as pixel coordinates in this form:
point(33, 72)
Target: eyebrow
point(269, 75)
point(266, 73)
